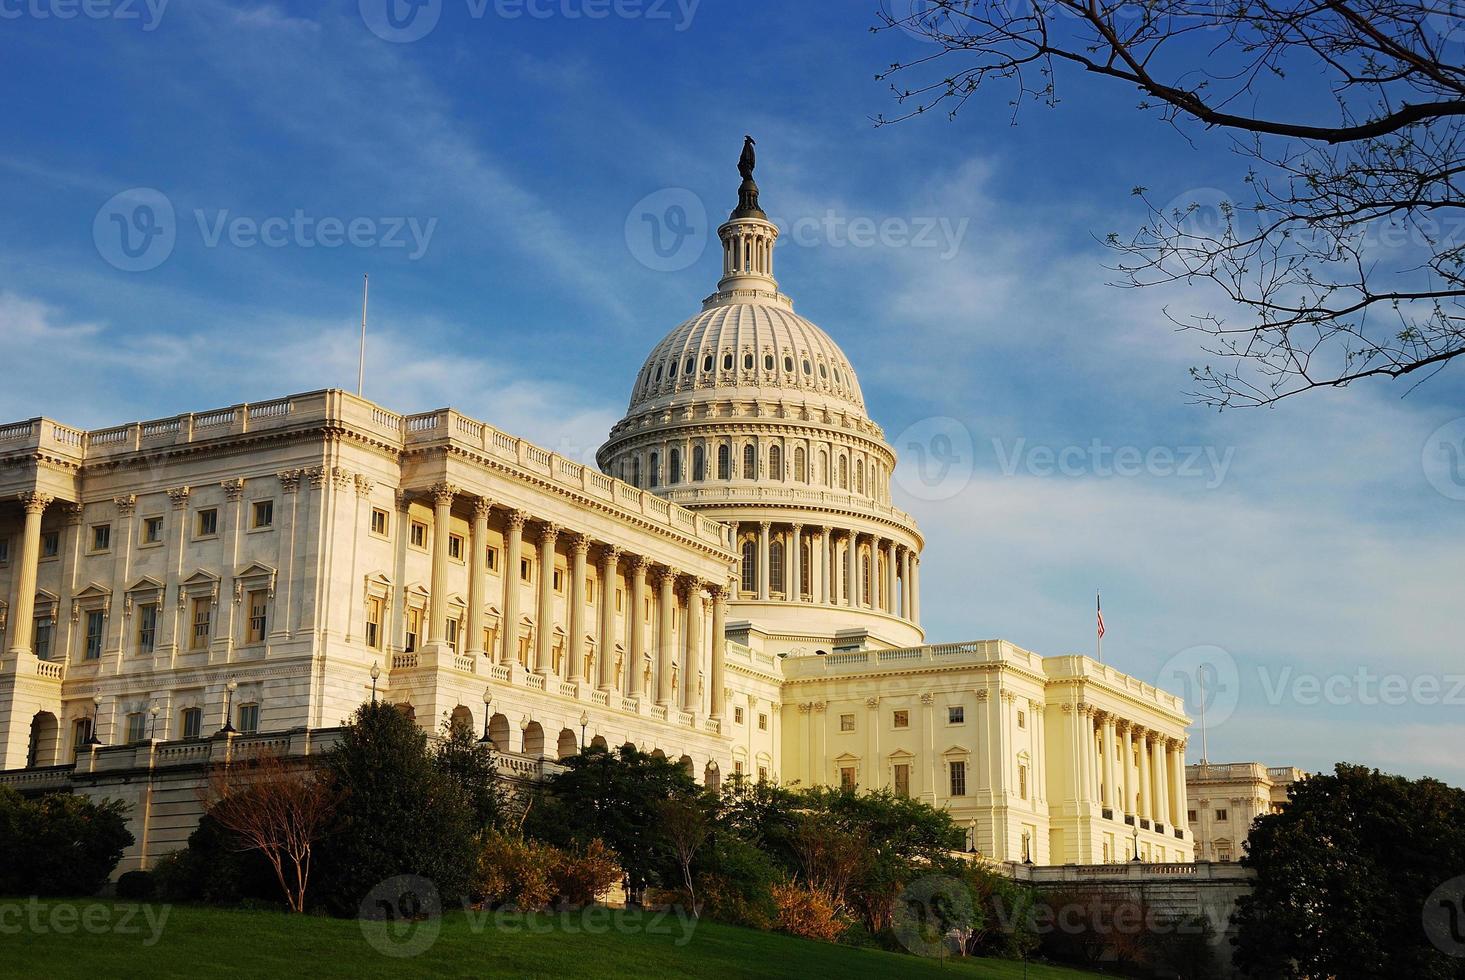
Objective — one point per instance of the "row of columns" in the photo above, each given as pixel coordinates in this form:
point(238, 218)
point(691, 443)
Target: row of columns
point(23, 591)
point(1129, 769)
point(894, 589)
point(669, 582)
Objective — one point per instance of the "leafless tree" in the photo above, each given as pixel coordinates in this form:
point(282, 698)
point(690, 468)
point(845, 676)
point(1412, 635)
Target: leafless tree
point(1344, 260)
point(685, 823)
point(280, 810)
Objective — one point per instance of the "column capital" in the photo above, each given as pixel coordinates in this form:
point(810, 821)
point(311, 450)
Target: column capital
point(548, 532)
point(179, 496)
point(443, 493)
point(317, 475)
point(234, 488)
point(718, 592)
point(482, 506)
point(73, 512)
point(579, 543)
point(126, 503)
point(364, 485)
point(609, 554)
point(289, 480)
point(928, 699)
point(516, 519)
point(639, 564)
point(797, 527)
point(668, 576)
point(764, 526)
point(1121, 726)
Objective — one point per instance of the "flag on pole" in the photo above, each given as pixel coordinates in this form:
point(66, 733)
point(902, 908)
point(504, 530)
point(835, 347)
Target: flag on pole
point(1099, 607)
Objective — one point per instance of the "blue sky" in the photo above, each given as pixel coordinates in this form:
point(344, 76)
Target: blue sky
point(533, 156)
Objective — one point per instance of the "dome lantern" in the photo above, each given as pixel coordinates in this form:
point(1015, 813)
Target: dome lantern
point(747, 238)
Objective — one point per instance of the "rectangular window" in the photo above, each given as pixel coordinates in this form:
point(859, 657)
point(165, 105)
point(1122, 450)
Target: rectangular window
point(4, 550)
point(491, 558)
point(94, 620)
point(847, 777)
point(762, 774)
point(378, 521)
point(738, 715)
point(589, 590)
point(248, 718)
point(147, 627)
point(846, 723)
point(902, 719)
point(1221, 814)
point(1190, 816)
point(620, 597)
point(263, 514)
point(374, 623)
point(419, 534)
point(1022, 782)
point(136, 729)
point(414, 628)
point(203, 610)
point(101, 537)
point(958, 779)
point(1022, 719)
point(902, 779)
point(455, 547)
point(152, 530)
point(192, 722)
point(81, 733)
point(559, 580)
point(452, 625)
point(955, 715)
point(50, 544)
point(208, 523)
point(258, 616)
point(525, 571)
point(42, 634)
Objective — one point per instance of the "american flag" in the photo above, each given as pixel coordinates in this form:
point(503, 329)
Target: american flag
point(1100, 608)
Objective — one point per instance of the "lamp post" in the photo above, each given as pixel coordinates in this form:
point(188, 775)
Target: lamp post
point(92, 739)
point(229, 690)
point(376, 672)
point(584, 721)
point(524, 734)
point(487, 709)
point(1136, 846)
point(154, 711)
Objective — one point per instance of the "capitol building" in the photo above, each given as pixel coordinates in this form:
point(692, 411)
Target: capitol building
point(732, 588)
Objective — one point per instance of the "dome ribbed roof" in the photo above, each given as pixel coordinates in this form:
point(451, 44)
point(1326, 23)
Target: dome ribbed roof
point(740, 350)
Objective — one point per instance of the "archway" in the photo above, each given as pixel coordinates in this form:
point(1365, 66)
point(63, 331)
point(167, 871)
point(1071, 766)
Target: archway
point(406, 708)
point(462, 717)
point(686, 763)
point(498, 732)
point(598, 742)
point(567, 746)
point(534, 739)
point(658, 754)
point(45, 736)
point(712, 777)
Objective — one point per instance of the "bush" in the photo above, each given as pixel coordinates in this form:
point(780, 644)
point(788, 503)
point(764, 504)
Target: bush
point(214, 870)
point(514, 871)
point(137, 885)
point(735, 882)
point(585, 874)
point(806, 912)
point(60, 844)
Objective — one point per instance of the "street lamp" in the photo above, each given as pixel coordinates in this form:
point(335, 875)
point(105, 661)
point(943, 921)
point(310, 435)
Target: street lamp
point(584, 721)
point(155, 710)
point(376, 672)
point(487, 708)
point(92, 739)
point(524, 736)
point(1136, 846)
point(229, 688)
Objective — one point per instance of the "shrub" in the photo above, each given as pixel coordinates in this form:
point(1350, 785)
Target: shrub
point(137, 885)
point(585, 874)
point(214, 870)
point(735, 881)
point(806, 912)
point(514, 871)
point(60, 844)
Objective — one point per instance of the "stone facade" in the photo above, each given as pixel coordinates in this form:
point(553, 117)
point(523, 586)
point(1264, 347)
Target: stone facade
point(1224, 800)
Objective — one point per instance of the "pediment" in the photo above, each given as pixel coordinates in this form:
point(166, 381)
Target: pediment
point(93, 591)
point(146, 584)
point(255, 570)
point(200, 578)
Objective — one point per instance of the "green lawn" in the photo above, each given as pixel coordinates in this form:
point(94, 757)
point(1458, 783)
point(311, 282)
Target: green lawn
point(106, 938)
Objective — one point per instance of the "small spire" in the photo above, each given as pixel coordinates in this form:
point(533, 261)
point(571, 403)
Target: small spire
point(748, 189)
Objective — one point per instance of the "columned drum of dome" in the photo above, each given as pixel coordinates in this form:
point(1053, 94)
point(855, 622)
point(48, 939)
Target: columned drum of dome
point(752, 415)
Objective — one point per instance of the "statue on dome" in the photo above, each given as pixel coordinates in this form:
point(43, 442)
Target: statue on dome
point(749, 158)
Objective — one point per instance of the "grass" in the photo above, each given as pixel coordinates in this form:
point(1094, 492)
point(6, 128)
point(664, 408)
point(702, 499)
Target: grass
point(100, 938)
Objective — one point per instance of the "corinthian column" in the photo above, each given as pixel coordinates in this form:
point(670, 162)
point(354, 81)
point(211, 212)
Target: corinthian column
point(606, 647)
point(442, 510)
point(513, 558)
point(763, 561)
point(853, 550)
point(23, 598)
point(575, 644)
point(636, 656)
point(719, 650)
point(544, 619)
point(665, 628)
point(889, 603)
point(905, 583)
point(796, 574)
point(692, 657)
point(477, 576)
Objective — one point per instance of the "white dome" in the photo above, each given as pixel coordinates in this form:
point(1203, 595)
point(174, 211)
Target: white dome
point(741, 348)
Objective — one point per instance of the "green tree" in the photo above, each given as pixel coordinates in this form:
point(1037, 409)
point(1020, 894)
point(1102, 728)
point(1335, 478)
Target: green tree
point(60, 844)
point(399, 813)
point(1343, 872)
point(469, 763)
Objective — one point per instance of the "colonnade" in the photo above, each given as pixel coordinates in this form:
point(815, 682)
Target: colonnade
point(1133, 773)
point(843, 567)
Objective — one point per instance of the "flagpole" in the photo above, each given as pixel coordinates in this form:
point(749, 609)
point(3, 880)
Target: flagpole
point(361, 363)
point(1099, 633)
point(1205, 752)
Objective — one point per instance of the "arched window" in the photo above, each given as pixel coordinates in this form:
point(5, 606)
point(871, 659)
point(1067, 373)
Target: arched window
point(707, 364)
point(788, 364)
point(775, 463)
point(750, 567)
point(687, 367)
point(801, 474)
point(768, 362)
point(655, 470)
point(747, 362)
point(699, 464)
point(727, 362)
point(859, 477)
point(750, 462)
point(806, 554)
point(775, 565)
point(724, 462)
point(659, 369)
point(865, 579)
point(676, 466)
point(844, 473)
point(636, 472)
point(808, 368)
point(825, 477)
